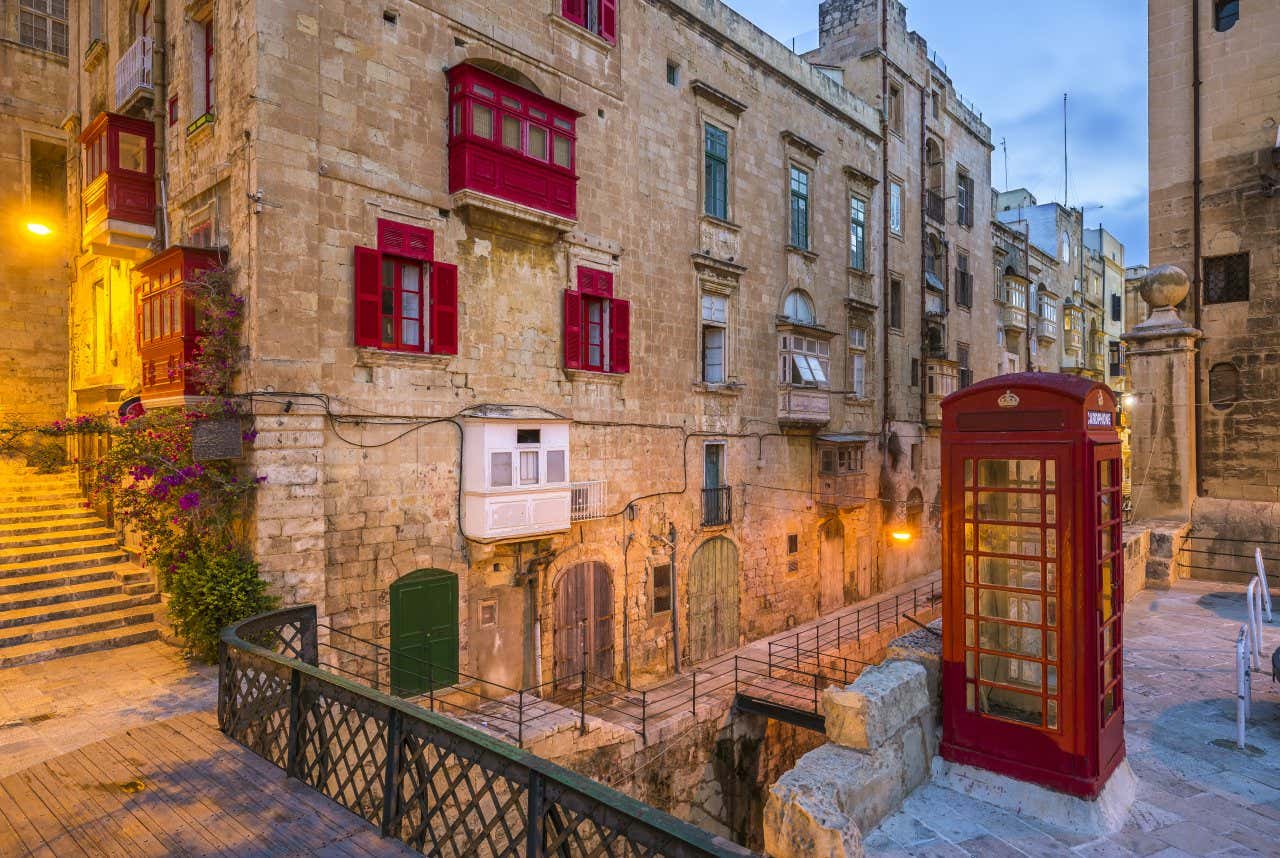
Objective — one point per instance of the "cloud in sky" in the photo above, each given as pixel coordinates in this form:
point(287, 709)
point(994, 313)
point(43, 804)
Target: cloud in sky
point(1014, 60)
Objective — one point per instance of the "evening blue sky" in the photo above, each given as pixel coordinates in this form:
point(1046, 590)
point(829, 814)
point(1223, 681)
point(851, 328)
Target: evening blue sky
point(1014, 59)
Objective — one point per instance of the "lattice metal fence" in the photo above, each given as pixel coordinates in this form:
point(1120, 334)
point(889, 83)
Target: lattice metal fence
point(432, 783)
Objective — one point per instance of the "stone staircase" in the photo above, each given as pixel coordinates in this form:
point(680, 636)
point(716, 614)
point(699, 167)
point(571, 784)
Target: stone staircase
point(66, 585)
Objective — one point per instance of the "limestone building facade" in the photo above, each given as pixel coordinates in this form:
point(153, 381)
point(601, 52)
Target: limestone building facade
point(589, 337)
point(1215, 213)
point(33, 195)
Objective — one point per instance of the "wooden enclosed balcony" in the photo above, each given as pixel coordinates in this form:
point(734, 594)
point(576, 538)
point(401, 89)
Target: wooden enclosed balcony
point(167, 325)
point(803, 406)
point(119, 196)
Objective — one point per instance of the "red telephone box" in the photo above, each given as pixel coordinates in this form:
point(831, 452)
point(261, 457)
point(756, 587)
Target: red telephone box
point(1033, 572)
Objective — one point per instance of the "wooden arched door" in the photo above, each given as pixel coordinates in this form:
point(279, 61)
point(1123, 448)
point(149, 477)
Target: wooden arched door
point(424, 632)
point(583, 623)
point(831, 566)
point(713, 599)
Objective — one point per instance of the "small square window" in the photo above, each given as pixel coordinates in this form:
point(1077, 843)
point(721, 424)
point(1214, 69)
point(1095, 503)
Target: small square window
point(528, 436)
point(673, 73)
point(1226, 279)
point(662, 588)
point(489, 613)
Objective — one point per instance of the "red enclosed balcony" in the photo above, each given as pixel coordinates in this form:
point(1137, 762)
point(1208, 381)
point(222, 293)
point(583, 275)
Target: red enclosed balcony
point(511, 143)
point(166, 320)
point(119, 194)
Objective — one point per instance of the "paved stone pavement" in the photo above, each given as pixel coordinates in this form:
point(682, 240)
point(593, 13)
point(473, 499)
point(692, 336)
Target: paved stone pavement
point(1195, 797)
point(52, 707)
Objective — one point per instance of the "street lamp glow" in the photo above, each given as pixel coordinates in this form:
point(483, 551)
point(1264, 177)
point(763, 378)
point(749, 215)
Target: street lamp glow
point(37, 228)
point(901, 536)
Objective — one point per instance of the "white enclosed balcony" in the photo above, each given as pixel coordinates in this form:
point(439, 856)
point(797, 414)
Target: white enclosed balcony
point(133, 75)
point(515, 477)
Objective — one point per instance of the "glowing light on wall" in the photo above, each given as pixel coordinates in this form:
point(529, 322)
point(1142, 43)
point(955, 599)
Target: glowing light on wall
point(901, 536)
point(37, 228)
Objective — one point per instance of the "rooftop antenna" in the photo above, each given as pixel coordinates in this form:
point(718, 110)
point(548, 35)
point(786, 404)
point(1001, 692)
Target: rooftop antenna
point(1065, 167)
point(1005, 146)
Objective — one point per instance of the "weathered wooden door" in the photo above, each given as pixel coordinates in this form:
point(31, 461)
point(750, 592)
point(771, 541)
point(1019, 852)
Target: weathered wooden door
point(583, 624)
point(713, 599)
point(424, 632)
point(863, 579)
point(831, 566)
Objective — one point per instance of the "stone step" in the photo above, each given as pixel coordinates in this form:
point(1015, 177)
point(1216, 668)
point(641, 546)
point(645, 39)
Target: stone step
point(40, 516)
point(41, 538)
point(73, 609)
point(56, 525)
point(51, 580)
point(51, 630)
point(60, 595)
point(75, 644)
point(75, 504)
point(65, 564)
point(45, 553)
point(14, 496)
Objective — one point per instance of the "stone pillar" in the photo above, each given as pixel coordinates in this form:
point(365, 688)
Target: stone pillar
point(1162, 411)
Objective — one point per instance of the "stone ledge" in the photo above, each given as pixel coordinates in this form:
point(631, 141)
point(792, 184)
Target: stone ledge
point(877, 706)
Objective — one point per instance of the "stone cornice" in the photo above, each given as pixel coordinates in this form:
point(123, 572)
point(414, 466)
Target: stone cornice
point(706, 91)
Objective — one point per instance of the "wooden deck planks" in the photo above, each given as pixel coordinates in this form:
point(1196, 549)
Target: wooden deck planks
point(200, 795)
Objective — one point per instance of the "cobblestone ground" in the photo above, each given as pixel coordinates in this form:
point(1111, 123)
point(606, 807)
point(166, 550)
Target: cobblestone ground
point(1197, 794)
point(52, 707)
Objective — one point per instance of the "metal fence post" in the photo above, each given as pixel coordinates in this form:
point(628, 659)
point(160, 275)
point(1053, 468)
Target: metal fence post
point(520, 722)
point(693, 700)
point(431, 687)
point(582, 713)
point(533, 826)
point(644, 718)
point(295, 721)
point(391, 775)
point(817, 680)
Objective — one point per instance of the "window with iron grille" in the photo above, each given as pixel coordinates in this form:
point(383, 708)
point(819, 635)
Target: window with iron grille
point(1226, 279)
point(42, 24)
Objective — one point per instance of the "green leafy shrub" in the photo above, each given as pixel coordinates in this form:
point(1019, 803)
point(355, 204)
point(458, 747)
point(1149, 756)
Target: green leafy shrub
point(211, 587)
point(47, 458)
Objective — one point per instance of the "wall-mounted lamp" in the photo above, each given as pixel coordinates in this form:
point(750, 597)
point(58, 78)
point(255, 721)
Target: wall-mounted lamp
point(35, 227)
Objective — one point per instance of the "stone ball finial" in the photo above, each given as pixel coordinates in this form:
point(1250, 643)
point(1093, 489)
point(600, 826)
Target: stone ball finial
point(1164, 286)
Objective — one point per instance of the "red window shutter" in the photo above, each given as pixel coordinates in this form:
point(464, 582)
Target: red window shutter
point(367, 306)
point(619, 335)
point(572, 329)
point(444, 309)
point(403, 239)
point(575, 11)
point(609, 21)
point(594, 282)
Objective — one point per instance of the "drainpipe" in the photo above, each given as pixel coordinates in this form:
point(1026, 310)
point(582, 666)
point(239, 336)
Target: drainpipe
point(675, 604)
point(1196, 265)
point(160, 88)
point(626, 609)
point(924, 252)
point(886, 407)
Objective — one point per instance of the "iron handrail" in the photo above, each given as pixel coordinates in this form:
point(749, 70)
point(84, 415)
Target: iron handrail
point(310, 722)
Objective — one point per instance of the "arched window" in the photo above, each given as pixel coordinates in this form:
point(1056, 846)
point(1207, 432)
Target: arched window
point(1224, 386)
point(1225, 14)
point(799, 308)
point(1066, 248)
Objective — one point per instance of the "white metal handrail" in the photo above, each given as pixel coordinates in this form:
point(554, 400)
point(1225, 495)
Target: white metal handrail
point(133, 70)
point(1262, 583)
point(1244, 684)
point(1253, 604)
point(587, 500)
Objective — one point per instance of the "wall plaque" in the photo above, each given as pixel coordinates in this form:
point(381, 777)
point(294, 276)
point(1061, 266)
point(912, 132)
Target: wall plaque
point(219, 438)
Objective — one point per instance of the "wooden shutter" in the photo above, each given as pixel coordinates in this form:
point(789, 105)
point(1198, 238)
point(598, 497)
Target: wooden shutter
point(592, 281)
point(368, 283)
point(404, 239)
point(444, 309)
point(609, 21)
point(619, 335)
point(575, 11)
point(572, 330)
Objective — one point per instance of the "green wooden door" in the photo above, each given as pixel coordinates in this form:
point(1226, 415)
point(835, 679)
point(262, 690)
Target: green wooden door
point(424, 632)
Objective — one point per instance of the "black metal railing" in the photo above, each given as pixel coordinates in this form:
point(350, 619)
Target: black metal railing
point(1226, 558)
point(832, 635)
point(717, 506)
point(420, 777)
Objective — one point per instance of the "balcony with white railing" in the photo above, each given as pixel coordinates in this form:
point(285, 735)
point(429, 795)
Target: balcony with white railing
point(587, 500)
point(133, 75)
